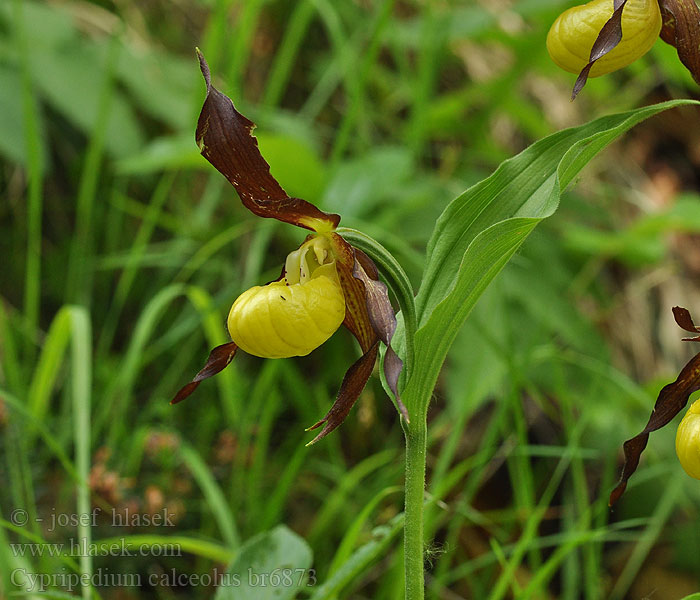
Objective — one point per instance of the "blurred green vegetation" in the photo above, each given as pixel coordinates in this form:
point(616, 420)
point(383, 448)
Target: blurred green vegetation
point(122, 251)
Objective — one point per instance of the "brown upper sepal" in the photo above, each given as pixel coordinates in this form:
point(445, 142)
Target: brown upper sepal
point(681, 29)
point(609, 36)
point(225, 139)
point(219, 358)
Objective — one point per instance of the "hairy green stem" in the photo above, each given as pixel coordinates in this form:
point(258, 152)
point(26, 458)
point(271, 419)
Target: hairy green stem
point(416, 436)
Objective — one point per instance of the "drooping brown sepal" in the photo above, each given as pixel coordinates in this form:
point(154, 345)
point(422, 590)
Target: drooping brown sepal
point(219, 358)
point(225, 139)
point(609, 37)
point(681, 29)
point(672, 399)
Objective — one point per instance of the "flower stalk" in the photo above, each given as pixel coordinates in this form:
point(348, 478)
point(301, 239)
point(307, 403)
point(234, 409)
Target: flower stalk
point(416, 444)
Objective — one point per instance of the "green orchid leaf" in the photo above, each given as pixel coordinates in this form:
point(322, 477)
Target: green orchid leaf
point(275, 564)
point(482, 229)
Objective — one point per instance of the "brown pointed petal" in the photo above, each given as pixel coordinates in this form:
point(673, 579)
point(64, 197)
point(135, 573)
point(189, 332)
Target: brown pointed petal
point(219, 358)
point(353, 384)
point(225, 139)
point(383, 320)
point(672, 399)
point(609, 37)
point(357, 318)
point(681, 29)
point(685, 321)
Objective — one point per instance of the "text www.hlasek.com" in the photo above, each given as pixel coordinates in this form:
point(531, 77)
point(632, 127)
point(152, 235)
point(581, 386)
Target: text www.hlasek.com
point(81, 547)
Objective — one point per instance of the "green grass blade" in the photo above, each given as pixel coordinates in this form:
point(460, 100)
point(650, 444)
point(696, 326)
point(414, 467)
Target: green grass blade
point(213, 496)
point(361, 559)
point(50, 360)
point(81, 384)
point(30, 109)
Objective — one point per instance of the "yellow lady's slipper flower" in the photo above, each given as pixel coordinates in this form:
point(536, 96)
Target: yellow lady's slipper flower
point(605, 35)
point(295, 315)
point(325, 283)
point(688, 441)
point(573, 34)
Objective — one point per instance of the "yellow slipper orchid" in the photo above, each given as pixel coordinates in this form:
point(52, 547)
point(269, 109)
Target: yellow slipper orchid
point(325, 283)
point(295, 315)
point(573, 34)
point(606, 35)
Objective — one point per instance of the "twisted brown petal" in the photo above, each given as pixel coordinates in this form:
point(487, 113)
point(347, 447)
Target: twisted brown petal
point(357, 318)
point(610, 36)
point(353, 383)
point(219, 358)
point(383, 320)
point(225, 139)
point(681, 29)
point(672, 399)
point(358, 322)
point(370, 318)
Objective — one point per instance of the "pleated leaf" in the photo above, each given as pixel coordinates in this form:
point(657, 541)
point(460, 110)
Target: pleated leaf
point(482, 229)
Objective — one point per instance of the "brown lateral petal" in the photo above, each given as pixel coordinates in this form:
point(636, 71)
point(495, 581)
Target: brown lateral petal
point(681, 29)
point(672, 399)
point(356, 316)
point(383, 320)
point(379, 309)
point(609, 37)
point(685, 321)
point(225, 139)
point(219, 358)
point(353, 384)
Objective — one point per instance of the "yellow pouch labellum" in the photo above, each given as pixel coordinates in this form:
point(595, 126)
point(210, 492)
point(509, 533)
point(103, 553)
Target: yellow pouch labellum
point(688, 441)
point(571, 38)
point(283, 319)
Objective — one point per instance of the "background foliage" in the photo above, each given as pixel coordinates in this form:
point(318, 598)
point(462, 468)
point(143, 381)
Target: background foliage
point(123, 250)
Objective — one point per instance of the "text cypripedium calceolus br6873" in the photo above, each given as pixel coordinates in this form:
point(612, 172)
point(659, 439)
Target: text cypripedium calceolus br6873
point(672, 399)
point(606, 35)
point(325, 283)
